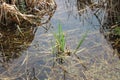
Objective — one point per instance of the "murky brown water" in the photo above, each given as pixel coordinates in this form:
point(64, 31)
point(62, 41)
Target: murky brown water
point(33, 51)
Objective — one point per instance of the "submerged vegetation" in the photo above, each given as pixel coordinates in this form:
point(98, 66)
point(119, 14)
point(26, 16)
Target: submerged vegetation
point(62, 55)
point(13, 43)
point(61, 50)
point(25, 52)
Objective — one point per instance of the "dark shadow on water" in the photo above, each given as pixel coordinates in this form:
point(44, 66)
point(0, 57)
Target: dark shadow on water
point(13, 42)
point(108, 22)
point(86, 11)
point(111, 26)
point(15, 38)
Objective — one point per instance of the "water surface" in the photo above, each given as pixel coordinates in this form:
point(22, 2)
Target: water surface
point(96, 52)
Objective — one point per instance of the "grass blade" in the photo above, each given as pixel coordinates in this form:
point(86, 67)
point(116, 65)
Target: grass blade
point(80, 42)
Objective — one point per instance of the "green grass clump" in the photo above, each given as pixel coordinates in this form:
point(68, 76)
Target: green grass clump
point(60, 49)
point(59, 46)
point(60, 39)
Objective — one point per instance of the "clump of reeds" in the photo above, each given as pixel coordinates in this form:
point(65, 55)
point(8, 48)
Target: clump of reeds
point(63, 57)
point(60, 49)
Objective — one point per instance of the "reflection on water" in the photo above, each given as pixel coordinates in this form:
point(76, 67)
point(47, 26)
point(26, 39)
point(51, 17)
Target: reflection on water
point(76, 17)
point(82, 4)
point(111, 25)
point(106, 13)
point(98, 54)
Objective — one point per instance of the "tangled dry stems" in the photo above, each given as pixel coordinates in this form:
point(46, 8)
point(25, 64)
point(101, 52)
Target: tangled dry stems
point(11, 13)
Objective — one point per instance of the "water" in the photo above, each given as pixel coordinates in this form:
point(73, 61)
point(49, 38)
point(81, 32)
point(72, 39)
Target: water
point(96, 52)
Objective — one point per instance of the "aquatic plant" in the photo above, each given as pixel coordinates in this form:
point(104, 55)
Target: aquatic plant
point(60, 39)
point(60, 49)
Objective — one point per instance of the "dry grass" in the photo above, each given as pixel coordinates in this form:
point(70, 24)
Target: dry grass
point(100, 63)
point(31, 13)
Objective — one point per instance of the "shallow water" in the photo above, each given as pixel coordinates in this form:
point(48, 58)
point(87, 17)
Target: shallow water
point(96, 53)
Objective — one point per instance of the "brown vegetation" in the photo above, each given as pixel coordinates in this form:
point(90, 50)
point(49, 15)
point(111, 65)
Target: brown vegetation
point(28, 11)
